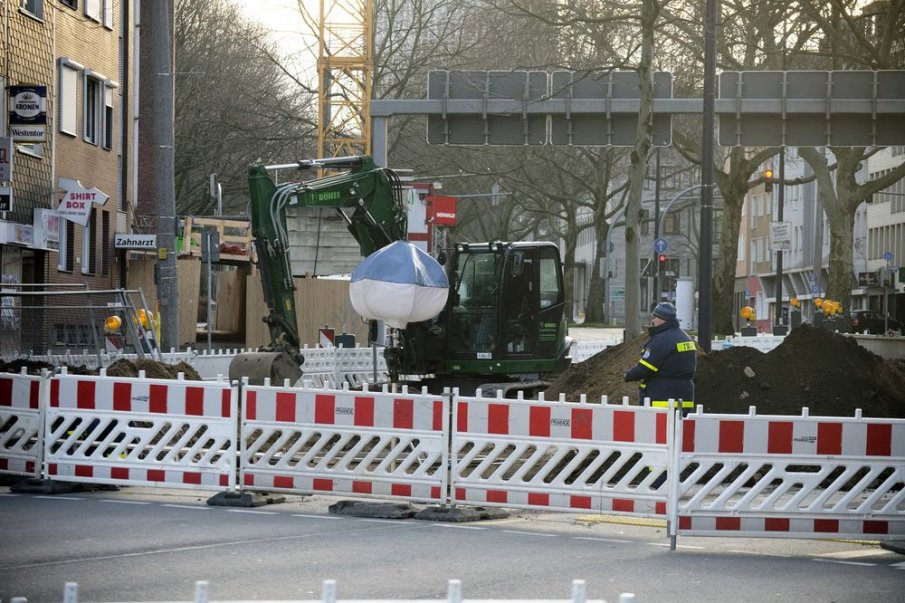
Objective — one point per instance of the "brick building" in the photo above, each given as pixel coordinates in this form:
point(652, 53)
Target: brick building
point(72, 175)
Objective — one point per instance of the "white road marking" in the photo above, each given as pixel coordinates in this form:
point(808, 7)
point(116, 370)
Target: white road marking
point(457, 527)
point(602, 539)
point(530, 533)
point(678, 546)
point(854, 554)
point(59, 497)
point(315, 516)
point(861, 563)
point(900, 566)
point(190, 507)
point(125, 502)
point(251, 511)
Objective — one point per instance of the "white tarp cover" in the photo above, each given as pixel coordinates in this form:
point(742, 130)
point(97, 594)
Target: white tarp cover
point(399, 284)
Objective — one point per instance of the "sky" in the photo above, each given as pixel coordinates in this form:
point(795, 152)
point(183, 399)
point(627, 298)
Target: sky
point(282, 19)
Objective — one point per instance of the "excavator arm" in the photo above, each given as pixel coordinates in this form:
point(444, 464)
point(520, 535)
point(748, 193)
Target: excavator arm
point(368, 198)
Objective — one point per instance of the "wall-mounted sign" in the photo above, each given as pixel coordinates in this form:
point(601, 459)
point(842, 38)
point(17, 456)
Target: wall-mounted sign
point(77, 201)
point(134, 241)
point(47, 229)
point(6, 159)
point(28, 113)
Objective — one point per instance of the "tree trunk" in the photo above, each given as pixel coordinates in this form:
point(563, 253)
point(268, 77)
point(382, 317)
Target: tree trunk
point(637, 173)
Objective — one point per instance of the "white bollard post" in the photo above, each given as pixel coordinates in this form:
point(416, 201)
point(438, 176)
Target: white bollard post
point(454, 592)
point(71, 592)
point(329, 593)
point(201, 591)
point(579, 591)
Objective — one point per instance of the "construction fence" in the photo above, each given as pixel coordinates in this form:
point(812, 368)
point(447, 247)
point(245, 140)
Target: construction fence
point(706, 474)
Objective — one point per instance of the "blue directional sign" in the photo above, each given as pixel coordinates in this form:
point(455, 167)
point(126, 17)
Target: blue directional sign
point(661, 245)
point(887, 256)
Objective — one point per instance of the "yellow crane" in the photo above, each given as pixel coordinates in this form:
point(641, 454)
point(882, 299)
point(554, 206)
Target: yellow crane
point(344, 69)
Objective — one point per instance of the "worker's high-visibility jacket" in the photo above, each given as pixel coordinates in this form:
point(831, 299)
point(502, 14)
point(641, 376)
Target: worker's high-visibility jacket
point(667, 366)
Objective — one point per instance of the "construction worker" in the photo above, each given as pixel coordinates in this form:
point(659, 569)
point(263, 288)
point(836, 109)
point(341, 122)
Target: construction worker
point(668, 362)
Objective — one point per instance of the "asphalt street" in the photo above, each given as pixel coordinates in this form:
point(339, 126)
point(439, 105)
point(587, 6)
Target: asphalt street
point(143, 544)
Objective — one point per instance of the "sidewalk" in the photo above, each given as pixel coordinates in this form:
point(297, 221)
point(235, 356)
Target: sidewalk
point(595, 334)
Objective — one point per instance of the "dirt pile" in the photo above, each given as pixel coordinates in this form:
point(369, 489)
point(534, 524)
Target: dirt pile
point(828, 373)
point(121, 368)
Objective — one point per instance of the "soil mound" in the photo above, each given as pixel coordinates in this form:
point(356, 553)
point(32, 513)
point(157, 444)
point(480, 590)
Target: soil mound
point(828, 373)
point(121, 368)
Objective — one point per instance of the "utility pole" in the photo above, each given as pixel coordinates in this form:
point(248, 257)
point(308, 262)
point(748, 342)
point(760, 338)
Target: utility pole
point(160, 25)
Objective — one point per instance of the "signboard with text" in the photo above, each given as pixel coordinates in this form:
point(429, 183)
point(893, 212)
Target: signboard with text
point(28, 113)
point(76, 203)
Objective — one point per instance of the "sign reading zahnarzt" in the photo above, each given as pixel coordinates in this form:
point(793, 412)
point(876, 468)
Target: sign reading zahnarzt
point(134, 241)
point(77, 201)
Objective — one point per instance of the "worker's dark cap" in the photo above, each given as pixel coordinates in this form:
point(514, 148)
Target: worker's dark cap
point(664, 310)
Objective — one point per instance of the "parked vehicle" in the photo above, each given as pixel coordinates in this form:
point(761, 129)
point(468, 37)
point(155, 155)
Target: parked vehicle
point(874, 323)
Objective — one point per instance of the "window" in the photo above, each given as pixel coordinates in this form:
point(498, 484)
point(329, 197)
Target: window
point(108, 14)
point(89, 244)
point(108, 116)
point(105, 244)
point(68, 96)
point(35, 8)
point(93, 10)
point(66, 261)
point(91, 129)
point(74, 4)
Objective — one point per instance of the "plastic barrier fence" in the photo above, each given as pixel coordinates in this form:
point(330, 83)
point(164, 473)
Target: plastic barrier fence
point(21, 423)
point(151, 432)
point(554, 455)
point(814, 477)
point(363, 443)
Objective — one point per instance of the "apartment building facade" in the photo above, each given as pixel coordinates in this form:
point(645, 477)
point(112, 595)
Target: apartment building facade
point(71, 159)
point(878, 234)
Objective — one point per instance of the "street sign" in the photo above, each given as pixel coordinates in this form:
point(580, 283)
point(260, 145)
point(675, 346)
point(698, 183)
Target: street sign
point(887, 256)
point(812, 108)
point(661, 245)
point(781, 235)
point(580, 125)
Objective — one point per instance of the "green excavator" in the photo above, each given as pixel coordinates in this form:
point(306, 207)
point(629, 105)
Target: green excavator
point(503, 326)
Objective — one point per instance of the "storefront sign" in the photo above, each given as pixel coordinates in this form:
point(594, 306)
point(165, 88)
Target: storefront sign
point(47, 229)
point(134, 241)
point(28, 112)
point(77, 201)
point(6, 159)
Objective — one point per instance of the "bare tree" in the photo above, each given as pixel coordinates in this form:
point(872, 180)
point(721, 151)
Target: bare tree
point(850, 37)
point(233, 104)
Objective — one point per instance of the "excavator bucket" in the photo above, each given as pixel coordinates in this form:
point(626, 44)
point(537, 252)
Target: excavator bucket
point(257, 366)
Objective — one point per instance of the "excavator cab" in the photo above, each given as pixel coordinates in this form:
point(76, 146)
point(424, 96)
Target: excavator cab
point(504, 319)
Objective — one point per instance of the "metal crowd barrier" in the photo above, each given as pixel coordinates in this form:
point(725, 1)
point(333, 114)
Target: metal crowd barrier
point(706, 474)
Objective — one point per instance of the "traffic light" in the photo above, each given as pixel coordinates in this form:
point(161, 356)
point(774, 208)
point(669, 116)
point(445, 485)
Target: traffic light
point(661, 261)
point(768, 180)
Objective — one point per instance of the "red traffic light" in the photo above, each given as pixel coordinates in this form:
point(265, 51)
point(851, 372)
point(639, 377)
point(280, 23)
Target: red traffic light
point(662, 258)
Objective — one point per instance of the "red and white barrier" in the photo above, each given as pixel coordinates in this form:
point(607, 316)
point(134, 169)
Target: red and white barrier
point(815, 477)
point(21, 423)
point(141, 431)
point(558, 455)
point(364, 443)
